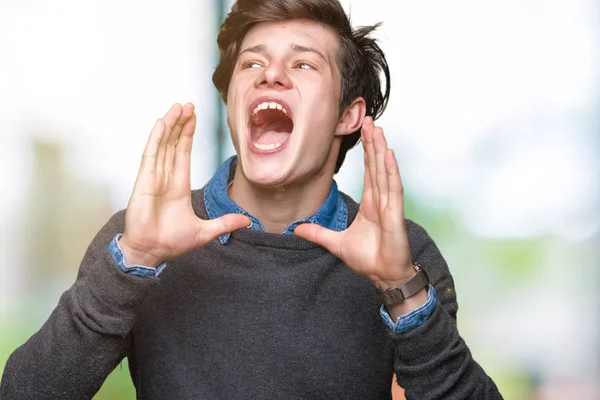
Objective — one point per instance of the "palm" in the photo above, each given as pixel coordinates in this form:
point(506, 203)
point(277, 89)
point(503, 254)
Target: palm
point(375, 245)
point(160, 221)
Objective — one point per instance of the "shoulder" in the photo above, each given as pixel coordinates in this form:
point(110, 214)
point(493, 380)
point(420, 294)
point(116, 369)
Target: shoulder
point(417, 235)
point(423, 249)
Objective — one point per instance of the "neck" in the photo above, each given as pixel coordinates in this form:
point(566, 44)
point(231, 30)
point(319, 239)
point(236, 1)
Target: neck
point(277, 207)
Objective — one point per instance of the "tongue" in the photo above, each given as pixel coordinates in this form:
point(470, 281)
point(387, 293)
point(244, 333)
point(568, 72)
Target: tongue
point(271, 127)
point(272, 137)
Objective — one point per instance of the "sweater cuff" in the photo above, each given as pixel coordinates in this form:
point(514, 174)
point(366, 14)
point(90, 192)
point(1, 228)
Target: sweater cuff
point(408, 322)
point(138, 270)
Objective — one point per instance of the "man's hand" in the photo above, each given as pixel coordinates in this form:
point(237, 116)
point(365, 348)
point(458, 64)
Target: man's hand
point(376, 244)
point(160, 223)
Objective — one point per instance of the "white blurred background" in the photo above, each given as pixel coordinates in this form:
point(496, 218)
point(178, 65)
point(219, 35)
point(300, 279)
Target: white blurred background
point(494, 116)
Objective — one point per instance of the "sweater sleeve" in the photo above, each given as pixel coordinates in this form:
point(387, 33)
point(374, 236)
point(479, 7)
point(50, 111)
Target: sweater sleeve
point(86, 335)
point(433, 361)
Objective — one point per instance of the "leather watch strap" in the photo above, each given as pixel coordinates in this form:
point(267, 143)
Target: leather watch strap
point(397, 295)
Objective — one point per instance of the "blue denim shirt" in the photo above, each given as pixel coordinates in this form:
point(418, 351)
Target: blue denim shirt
point(333, 214)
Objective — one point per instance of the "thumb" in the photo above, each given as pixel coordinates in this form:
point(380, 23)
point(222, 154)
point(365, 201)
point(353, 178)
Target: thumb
point(322, 236)
point(212, 228)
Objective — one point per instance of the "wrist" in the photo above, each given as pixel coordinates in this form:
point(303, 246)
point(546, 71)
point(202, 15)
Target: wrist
point(137, 257)
point(401, 292)
point(403, 275)
point(408, 305)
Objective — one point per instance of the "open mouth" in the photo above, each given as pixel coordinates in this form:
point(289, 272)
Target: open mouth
point(270, 126)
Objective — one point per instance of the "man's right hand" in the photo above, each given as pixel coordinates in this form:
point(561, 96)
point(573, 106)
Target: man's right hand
point(160, 223)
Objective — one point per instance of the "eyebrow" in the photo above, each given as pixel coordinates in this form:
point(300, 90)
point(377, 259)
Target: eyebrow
point(296, 48)
point(254, 49)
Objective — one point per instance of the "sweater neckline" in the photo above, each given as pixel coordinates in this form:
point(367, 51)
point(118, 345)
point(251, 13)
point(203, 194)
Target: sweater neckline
point(276, 240)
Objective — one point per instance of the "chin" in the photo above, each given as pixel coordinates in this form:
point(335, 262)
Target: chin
point(267, 171)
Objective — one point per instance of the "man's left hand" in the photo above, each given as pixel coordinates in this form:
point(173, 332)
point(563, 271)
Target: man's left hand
point(376, 244)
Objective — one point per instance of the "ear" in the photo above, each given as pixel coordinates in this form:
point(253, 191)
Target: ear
point(352, 117)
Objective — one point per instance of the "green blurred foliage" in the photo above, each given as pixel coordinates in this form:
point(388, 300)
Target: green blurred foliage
point(118, 385)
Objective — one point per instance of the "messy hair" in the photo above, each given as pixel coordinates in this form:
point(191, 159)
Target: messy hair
point(360, 59)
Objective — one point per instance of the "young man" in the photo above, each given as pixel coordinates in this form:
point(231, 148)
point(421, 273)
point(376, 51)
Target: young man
point(268, 283)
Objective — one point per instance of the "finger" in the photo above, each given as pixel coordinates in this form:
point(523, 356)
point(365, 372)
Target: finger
point(170, 120)
point(210, 229)
point(396, 190)
point(324, 237)
point(367, 194)
point(381, 175)
point(367, 140)
point(367, 184)
point(149, 155)
point(186, 114)
point(183, 149)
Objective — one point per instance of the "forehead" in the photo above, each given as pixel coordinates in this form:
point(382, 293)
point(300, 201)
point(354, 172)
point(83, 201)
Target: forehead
point(280, 34)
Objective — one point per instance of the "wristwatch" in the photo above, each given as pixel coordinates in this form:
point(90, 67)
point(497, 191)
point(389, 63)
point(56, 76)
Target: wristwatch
point(389, 297)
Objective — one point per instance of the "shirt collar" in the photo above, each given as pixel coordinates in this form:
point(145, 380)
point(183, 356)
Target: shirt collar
point(333, 213)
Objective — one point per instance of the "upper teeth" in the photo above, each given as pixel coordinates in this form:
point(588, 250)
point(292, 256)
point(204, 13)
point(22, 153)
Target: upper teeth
point(272, 105)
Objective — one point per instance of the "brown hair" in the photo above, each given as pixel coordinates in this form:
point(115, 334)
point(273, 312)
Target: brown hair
point(360, 59)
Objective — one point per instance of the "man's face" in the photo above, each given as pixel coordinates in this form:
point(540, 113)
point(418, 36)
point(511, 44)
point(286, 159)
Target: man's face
point(283, 102)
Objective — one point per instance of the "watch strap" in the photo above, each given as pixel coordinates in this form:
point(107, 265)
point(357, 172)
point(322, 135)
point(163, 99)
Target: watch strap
point(397, 295)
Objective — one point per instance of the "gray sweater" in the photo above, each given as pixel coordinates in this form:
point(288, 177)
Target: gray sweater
point(266, 316)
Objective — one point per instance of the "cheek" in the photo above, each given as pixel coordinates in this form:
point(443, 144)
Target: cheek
point(322, 120)
point(230, 114)
point(231, 95)
point(233, 108)
point(328, 102)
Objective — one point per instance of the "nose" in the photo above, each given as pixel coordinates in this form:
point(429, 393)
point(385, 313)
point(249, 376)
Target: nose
point(274, 76)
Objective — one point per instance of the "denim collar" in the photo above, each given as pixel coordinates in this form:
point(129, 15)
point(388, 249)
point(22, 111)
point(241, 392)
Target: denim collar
point(333, 213)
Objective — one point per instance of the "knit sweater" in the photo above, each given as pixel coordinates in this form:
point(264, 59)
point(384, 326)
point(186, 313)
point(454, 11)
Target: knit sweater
point(265, 316)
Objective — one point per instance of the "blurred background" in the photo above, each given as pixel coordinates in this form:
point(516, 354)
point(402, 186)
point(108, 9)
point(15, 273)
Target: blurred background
point(494, 116)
